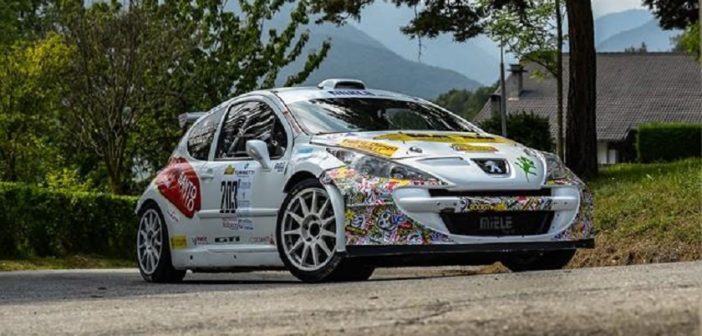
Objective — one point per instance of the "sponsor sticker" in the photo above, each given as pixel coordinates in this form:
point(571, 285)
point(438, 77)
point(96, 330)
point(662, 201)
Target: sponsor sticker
point(460, 147)
point(238, 224)
point(369, 147)
point(199, 240)
point(180, 185)
point(226, 240)
point(229, 170)
point(527, 166)
point(447, 138)
point(172, 214)
point(179, 242)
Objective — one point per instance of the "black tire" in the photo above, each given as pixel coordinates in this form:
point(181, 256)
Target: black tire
point(164, 271)
point(352, 270)
point(525, 262)
point(337, 268)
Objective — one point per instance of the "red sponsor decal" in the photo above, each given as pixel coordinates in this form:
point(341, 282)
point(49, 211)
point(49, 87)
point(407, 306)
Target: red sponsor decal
point(179, 184)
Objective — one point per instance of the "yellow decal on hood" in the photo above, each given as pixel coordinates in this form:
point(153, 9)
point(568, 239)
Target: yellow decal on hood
point(454, 138)
point(369, 147)
point(473, 148)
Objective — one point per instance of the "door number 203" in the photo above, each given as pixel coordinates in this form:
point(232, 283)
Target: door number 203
point(229, 191)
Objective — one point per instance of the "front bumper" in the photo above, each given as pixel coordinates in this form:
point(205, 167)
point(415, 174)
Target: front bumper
point(394, 213)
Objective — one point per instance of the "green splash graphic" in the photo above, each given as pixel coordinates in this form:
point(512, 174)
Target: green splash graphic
point(526, 165)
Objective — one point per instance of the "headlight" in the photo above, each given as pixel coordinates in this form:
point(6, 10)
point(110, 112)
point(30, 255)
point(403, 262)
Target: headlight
point(375, 166)
point(555, 169)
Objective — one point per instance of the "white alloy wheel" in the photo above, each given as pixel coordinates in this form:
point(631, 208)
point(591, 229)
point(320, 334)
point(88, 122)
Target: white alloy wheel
point(309, 230)
point(149, 241)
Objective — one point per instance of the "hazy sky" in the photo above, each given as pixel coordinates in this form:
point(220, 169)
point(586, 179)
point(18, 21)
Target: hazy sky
point(601, 7)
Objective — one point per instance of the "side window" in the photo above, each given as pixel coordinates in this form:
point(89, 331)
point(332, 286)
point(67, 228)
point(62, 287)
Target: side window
point(201, 135)
point(248, 121)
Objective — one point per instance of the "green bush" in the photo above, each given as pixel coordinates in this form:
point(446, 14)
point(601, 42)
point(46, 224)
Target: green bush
point(40, 222)
point(528, 129)
point(668, 142)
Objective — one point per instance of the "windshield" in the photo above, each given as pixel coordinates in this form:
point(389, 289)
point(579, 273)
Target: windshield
point(336, 115)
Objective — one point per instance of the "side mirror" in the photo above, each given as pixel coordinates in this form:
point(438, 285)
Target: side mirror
point(258, 150)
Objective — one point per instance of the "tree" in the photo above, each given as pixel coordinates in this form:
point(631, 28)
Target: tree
point(689, 41)
point(465, 103)
point(233, 53)
point(466, 19)
point(633, 49)
point(140, 65)
point(30, 99)
point(675, 14)
point(538, 39)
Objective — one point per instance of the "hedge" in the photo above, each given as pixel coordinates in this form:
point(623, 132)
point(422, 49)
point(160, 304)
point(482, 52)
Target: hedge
point(668, 141)
point(529, 129)
point(39, 222)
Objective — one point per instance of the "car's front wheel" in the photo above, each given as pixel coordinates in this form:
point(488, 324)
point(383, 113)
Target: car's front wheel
point(153, 249)
point(552, 260)
point(306, 237)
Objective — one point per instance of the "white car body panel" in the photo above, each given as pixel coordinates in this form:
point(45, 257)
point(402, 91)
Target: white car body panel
point(216, 238)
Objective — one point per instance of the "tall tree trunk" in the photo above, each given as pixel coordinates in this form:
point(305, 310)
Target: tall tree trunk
point(581, 134)
point(559, 80)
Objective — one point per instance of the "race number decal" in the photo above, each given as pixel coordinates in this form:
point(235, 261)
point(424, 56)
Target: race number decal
point(229, 191)
point(179, 184)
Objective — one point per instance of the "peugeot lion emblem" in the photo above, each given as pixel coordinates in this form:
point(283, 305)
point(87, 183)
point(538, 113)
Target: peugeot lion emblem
point(492, 166)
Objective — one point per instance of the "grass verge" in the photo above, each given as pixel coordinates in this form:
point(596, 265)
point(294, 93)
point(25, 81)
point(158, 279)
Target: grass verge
point(646, 213)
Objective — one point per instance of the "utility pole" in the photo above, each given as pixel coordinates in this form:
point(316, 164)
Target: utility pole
point(503, 98)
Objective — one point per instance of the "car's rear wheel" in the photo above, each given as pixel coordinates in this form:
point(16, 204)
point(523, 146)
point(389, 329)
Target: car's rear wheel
point(306, 237)
point(551, 260)
point(153, 249)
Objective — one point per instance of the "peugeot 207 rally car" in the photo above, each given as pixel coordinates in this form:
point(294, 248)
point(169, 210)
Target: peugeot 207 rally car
point(334, 181)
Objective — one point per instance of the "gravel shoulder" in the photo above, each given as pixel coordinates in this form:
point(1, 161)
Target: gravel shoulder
point(660, 299)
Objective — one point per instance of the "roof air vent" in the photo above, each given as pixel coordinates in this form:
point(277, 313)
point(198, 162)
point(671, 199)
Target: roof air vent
point(342, 84)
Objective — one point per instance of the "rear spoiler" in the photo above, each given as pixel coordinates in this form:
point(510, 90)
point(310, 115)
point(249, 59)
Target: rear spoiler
point(189, 118)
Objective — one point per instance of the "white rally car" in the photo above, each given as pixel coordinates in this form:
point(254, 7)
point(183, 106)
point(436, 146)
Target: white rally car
point(334, 181)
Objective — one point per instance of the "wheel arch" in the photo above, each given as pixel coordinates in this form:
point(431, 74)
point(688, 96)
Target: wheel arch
point(297, 178)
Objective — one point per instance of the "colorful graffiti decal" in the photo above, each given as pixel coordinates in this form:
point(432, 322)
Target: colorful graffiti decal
point(180, 185)
point(371, 216)
point(518, 203)
point(583, 225)
point(447, 138)
point(369, 147)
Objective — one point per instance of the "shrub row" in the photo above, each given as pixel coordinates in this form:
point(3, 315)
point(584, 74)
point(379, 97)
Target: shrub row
point(39, 222)
point(668, 141)
point(529, 129)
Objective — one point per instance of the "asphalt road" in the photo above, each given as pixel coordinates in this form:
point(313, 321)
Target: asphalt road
point(663, 299)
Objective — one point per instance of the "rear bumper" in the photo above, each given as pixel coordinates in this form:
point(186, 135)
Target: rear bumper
point(401, 250)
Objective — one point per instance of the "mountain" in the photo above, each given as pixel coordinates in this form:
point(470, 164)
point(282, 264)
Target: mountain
point(477, 58)
point(656, 39)
point(354, 54)
point(609, 25)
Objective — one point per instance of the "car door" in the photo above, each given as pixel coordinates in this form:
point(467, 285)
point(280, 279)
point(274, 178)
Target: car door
point(243, 198)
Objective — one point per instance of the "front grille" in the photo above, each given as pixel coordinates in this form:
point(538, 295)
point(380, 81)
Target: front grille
point(488, 193)
point(498, 223)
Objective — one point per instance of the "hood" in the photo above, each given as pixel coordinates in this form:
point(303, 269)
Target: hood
point(466, 160)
